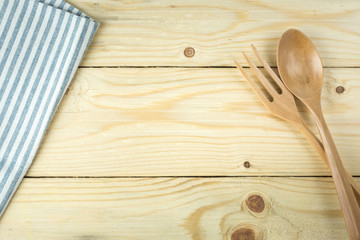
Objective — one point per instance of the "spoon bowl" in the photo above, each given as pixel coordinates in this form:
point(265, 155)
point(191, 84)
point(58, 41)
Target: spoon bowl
point(300, 66)
point(301, 70)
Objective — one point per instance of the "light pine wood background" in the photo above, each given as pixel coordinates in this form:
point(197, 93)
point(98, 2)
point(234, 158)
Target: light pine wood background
point(150, 144)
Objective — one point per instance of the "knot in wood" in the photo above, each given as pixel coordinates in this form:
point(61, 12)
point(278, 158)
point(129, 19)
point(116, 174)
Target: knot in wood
point(255, 203)
point(189, 52)
point(340, 89)
point(243, 234)
point(246, 164)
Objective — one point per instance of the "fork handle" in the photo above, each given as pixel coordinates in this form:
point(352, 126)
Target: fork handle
point(347, 198)
point(316, 143)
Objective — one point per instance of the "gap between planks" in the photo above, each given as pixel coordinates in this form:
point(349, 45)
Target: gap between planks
point(206, 67)
point(222, 176)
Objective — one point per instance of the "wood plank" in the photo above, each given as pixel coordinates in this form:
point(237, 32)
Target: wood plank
point(188, 122)
point(173, 208)
point(145, 33)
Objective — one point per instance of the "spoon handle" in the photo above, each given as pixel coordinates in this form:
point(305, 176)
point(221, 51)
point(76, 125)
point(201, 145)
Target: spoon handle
point(347, 197)
point(315, 142)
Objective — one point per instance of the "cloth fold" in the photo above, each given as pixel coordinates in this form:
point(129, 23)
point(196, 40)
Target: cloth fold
point(41, 45)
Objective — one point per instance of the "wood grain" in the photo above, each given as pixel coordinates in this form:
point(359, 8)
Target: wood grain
point(156, 33)
point(188, 122)
point(174, 208)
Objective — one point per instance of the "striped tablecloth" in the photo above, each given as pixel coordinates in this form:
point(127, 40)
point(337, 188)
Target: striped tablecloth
point(41, 45)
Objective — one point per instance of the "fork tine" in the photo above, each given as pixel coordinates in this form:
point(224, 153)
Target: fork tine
point(261, 77)
point(268, 69)
point(253, 85)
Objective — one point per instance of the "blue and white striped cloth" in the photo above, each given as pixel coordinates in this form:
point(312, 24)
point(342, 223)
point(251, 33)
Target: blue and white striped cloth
point(41, 45)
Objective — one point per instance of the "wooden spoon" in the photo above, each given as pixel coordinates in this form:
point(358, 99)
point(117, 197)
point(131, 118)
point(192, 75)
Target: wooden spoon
point(301, 70)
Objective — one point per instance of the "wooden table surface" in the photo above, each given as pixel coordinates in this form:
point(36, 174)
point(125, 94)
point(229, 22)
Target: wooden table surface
point(160, 137)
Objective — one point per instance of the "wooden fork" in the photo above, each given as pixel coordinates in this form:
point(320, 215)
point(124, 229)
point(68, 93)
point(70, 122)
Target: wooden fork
point(283, 106)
